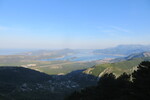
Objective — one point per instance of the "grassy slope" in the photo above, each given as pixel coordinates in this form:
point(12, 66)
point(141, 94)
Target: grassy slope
point(117, 68)
point(64, 67)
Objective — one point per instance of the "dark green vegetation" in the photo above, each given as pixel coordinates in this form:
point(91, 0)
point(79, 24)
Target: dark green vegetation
point(18, 83)
point(117, 68)
point(19, 75)
point(121, 88)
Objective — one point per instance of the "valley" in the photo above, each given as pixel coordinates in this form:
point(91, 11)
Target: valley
point(44, 74)
point(55, 62)
point(63, 61)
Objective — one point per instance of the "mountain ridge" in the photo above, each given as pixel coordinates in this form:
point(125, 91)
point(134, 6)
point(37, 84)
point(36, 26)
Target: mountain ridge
point(124, 49)
point(117, 68)
point(132, 56)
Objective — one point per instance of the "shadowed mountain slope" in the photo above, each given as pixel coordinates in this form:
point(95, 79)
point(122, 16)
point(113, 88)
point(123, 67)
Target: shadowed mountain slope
point(18, 83)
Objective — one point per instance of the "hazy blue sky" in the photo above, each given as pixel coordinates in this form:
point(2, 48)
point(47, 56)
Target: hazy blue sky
point(73, 23)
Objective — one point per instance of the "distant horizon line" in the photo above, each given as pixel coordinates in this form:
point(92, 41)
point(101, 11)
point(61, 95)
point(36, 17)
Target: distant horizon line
point(75, 48)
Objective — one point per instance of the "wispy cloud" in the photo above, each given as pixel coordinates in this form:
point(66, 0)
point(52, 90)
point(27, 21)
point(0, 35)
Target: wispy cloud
point(10, 29)
point(108, 31)
point(5, 28)
point(115, 30)
point(120, 29)
point(2, 28)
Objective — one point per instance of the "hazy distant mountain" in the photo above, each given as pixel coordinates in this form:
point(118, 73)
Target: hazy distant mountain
point(13, 51)
point(132, 56)
point(50, 52)
point(124, 49)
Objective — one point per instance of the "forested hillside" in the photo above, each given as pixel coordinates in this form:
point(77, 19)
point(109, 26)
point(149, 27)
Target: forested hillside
point(117, 68)
point(133, 86)
point(18, 83)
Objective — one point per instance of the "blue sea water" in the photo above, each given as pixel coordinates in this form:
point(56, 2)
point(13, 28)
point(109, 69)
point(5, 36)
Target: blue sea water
point(82, 57)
